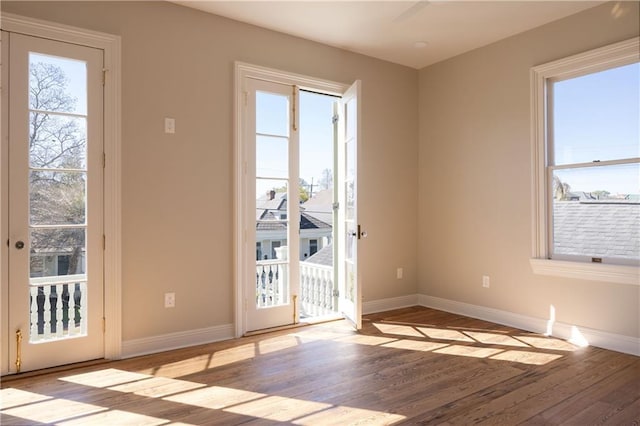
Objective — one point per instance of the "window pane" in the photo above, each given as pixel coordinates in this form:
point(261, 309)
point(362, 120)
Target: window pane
point(272, 157)
point(57, 84)
point(48, 245)
point(597, 116)
point(596, 212)
point(272, 114)
point(57, 141)
point(58, 198)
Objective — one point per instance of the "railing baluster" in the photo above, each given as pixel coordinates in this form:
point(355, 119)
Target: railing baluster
point(47, 312)
point(83, 306)
point(33, 306)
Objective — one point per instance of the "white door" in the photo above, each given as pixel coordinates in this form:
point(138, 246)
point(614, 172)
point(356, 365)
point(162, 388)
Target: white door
point(55, 136)
point(272, 200)
point(349, 232)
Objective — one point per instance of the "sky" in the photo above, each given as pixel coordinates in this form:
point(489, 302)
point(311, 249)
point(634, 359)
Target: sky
point(597, 118)
point(315, 135)
point(76, 72)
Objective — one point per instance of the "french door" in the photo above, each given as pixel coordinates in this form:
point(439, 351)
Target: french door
point(55, 202)
point(271, 188)
point(349, 231)
point(272, 283)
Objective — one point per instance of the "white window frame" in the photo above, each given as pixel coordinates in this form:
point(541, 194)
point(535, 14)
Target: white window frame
point(614, 55)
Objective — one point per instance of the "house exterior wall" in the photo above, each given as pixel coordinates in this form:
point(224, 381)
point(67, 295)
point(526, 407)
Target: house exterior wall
point(178, 62)
point(475, 194)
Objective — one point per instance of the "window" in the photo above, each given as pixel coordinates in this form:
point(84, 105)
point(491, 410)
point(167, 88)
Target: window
point(586, 135)
point(313, 247)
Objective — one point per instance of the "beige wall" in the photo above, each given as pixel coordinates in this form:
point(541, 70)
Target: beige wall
point(464, 122)
point(475, 179)
point(178, 189)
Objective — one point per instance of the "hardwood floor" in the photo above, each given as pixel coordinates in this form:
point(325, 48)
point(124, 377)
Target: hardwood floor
point(414, 365)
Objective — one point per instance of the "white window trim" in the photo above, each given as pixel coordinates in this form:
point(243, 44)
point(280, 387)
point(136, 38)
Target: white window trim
point(617, 54)
point(111, 46)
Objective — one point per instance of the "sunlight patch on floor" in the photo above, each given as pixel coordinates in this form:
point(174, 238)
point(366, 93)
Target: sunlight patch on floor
point(105, 378)
point(278, 408)
point(215, 397)
point(525, 357)
point(156, 387)
point(232, 355)
point(183, 367)
point(495, 339)
point(415, 345)
point(468, 351)
point(10, 397)
point(277, 344)
point(115, 417)
point(399, 330)
point(548, 343)
point(52, 410)
point(444, 334)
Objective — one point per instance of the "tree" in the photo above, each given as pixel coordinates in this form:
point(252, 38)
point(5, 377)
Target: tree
point(326, 181)
point(57, 157)
point(302, 190)
point(601, 194)
point(560, 189)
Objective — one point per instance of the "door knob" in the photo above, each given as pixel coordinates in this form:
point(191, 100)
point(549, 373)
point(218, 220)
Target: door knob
point(19, 245)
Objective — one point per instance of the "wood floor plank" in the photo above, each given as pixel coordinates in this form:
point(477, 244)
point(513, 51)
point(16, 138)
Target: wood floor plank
point(414, 365)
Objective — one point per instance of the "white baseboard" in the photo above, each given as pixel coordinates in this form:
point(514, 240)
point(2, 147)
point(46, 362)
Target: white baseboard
point(182, 339)
point(574, 334)
point(389, 304)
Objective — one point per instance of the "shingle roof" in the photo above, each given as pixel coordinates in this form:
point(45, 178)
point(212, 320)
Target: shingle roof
point(268, 222)
point(597, 229)
point(324, 256)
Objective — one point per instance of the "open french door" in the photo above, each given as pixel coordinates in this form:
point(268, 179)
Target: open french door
point(348, 230)
point(55, 202)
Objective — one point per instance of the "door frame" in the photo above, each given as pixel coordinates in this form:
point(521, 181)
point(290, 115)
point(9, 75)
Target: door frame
point(242, 72)
point(111, 46)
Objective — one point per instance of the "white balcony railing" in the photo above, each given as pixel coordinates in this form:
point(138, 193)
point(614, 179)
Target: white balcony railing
point(57, 307)
point(317, 296)
point(316, 290)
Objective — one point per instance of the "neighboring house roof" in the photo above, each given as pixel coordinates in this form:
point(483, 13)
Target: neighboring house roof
point(320, 205)
point(597, 228)
point(306, 222)
point(324, 256)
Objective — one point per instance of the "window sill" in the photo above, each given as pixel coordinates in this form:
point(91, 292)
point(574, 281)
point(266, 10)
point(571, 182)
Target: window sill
point(587, 271)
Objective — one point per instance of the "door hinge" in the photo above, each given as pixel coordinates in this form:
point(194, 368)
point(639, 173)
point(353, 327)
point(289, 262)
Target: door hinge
point(336, 293)
point(104, 242)
point(335, 206)
point(104, 325)
point(104, 160)
point(335, 119)
point(104, 76)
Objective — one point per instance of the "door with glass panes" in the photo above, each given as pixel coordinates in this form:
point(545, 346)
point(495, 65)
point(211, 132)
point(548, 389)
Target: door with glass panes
point(271, 186)
point(55, 201)
point(282, 282)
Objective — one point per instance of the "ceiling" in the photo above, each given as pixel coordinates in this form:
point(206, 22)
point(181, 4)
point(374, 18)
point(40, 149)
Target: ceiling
point(411, 33)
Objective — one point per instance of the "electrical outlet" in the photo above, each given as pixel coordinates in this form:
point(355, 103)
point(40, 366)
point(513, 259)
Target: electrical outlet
point(169, 300)
point(399, 273)
point(169, 125)
point(486, 283)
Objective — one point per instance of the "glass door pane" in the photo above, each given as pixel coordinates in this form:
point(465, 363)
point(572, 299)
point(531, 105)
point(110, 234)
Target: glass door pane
point(272, 208)
point(57, 196)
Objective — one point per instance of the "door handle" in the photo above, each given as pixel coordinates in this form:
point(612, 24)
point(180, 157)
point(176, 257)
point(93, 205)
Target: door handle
point(19, 245)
